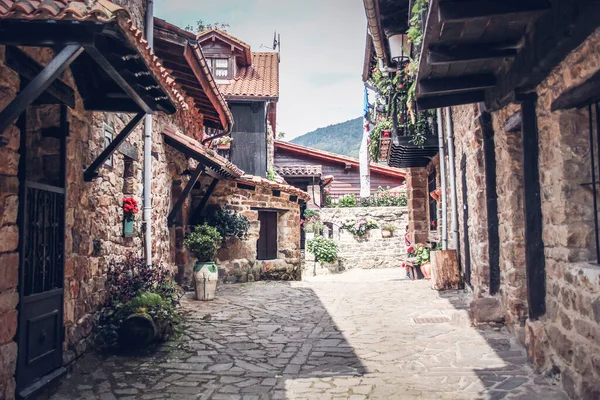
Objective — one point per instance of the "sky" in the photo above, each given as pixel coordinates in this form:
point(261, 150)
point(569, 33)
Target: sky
point(322, 50)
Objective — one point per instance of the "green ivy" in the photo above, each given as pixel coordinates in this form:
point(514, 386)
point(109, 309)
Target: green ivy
point(271, 174)
point(324, 250)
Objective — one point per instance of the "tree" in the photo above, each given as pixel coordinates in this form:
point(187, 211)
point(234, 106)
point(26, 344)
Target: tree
point(280, 135)
point(203, 26)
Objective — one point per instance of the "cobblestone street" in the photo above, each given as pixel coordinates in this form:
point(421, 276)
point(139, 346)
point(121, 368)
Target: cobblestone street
point(364, 334)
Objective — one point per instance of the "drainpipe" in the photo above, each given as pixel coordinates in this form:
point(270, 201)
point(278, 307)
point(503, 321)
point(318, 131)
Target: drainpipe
point(452, 168)
point(443, 179)
point(148, 148)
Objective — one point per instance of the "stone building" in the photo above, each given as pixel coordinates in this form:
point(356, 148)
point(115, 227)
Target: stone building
point(77, 79)
point(521, 121)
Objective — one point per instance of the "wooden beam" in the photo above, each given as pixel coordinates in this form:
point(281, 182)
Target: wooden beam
point(118, 79)
point(39, 84)
point(580, 95)
point(445, 85)
point(513, 123)
point(200, 209)
point(491, 195)
point(440, 55)
point(186, 191)
point(92, 171)
point(468, 10)
point(532, 204)
point(28, 68)
point(448, 100)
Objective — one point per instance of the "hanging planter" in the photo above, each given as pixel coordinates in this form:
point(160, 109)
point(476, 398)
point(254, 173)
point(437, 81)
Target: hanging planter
point(386, 133)
point(130, 208)
point(436, 194)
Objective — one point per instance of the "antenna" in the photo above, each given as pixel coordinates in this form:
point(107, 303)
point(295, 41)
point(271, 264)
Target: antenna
point(277, 43)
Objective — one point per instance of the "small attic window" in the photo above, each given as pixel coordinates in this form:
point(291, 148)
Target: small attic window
point(220, 68)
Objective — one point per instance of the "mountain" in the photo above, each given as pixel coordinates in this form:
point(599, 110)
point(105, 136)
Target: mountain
point(343, 138)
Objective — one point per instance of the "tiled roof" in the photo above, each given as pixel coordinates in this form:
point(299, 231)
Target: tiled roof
point(259, 181)
point(300, 170)
point(103, 11)
point(328, 156)
point(209, 32)
point(259, 80)
point(201, 153)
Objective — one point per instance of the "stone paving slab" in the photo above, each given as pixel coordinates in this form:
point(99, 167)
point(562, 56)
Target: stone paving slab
point(347, 336)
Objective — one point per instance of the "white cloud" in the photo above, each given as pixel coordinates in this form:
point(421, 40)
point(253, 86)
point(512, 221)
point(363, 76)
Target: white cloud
point(322, 49)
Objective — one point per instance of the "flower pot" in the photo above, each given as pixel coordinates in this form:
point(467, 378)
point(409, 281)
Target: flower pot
point(386, 133)
point(127, 227)
point(205, 280)
point(386, 233)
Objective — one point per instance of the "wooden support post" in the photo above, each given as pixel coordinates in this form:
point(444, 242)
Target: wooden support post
point(39, 84)
point(204, 201)
point(489, 151)
point(186, 191)
point(92, 171)
point(534, 245)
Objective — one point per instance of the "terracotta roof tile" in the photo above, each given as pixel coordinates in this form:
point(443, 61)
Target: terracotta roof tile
point(261, 79)
point(103, 11)
point(209, 32)
point(194, 147)
point(259, 181)
point(300, 170)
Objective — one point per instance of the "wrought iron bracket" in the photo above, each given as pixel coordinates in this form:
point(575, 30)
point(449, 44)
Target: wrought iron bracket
point(39, 84)
point(92, 171)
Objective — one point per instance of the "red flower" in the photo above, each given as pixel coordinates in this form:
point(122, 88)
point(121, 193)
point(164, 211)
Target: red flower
point(410, 249)
point(130, 207)
point(400, 86)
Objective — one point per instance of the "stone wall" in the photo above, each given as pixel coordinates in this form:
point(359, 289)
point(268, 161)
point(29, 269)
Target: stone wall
point(418, 198)
point(238, 260)
point(567, 338)
point(511, 226)
point(371, 251)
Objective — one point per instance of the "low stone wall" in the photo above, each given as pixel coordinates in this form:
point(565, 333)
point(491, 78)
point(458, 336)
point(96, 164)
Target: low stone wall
point(372, 250)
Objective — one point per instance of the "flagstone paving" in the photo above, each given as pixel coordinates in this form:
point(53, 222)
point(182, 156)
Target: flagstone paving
point(347, 336)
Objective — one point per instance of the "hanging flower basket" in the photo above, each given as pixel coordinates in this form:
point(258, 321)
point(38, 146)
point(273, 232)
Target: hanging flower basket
point(130, 209)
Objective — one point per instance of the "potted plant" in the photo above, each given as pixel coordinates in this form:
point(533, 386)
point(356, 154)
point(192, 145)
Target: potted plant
point(423, 253)
point(130, 208)
point(387, 230)
point(204, 242)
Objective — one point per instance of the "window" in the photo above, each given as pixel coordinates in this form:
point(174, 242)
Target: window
point(220, 68)
point(594, 109)
point(109, 135)
point(432, 185)
point(266, 246)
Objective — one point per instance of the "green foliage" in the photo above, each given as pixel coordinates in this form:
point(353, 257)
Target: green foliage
point(348, 200)
point(280, 135)
point(389, 227)
point(308, 213)
point(415, 35)
point(313, 225)
point(229, 224)
point(423, 254)
point(384, 198)
point(375, 137)
point(360, 228)
point(343, 138)
point(324, 250)
point(271, 174)
point(203, 26)
point(203, 242)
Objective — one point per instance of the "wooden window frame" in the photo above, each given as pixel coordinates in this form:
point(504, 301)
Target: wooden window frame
point(213, 68)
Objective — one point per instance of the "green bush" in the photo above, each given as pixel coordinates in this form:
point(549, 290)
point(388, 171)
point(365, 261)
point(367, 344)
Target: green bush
point(361, 227)
point(309, 213)
point(203, 242)
point(324, 250)
point(348, 200)
point(229, 224)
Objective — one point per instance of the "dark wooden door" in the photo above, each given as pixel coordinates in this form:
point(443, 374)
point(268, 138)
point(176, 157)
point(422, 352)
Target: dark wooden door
point(41, 283)
point(266, 246)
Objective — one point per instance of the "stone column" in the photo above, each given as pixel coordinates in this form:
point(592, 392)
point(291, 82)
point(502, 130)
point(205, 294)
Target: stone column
point(416, 185)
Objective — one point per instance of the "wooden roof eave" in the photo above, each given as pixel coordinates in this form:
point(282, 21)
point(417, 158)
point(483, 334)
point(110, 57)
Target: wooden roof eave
point(375, 30)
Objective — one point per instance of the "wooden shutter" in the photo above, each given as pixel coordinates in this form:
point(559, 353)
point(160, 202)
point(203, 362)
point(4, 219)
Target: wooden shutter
point(266, 246)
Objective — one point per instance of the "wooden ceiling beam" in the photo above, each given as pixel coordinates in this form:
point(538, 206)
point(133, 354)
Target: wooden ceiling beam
point(439, 55)
point(452, 11)
point(438, 101)
point(456, 84)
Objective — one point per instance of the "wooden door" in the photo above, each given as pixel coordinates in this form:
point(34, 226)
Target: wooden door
point(266, 246)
